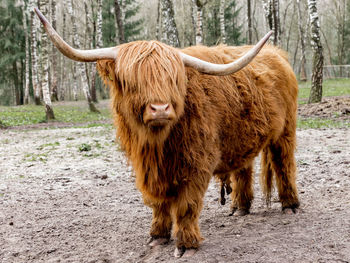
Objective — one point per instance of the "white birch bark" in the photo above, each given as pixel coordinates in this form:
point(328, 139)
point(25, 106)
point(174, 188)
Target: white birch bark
point(34, 29)
point(159, 18)
point(99, 43)
point(26, 9)
point(169, 30)
point(317, 64)
point(222, 21)
point(54, 91)
point(80, 65)
point(199, 22)
point(44, 6)
point(62, 90)
point(193, 19)
point(74, 67)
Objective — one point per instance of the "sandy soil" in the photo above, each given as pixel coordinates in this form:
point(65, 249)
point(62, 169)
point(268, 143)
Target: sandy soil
point(59, 204)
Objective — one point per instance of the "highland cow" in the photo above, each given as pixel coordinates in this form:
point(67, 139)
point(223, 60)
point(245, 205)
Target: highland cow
point(182, 118)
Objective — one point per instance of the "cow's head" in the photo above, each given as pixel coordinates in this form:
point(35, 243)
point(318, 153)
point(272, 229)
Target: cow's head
point(148, 78)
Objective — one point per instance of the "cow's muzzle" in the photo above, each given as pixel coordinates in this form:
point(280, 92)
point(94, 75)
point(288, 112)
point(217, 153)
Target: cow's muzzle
point(158, 114)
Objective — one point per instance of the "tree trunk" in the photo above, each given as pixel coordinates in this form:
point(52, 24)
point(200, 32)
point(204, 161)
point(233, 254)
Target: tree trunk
point(44, 6)
point(271, 8)
point(16, 84)
point(119, 21)
point(169, 30)
point(276, 22)
point(302, 71)
point(249, 16)
point(158, 33)
point(99, 44)
point(199, 22)
point(54, 92)
point(80, 65)
point(26, 9)
point(222, 21)
point(317, 63)
point(63, 86)
point(91, 67)
point(35, 78)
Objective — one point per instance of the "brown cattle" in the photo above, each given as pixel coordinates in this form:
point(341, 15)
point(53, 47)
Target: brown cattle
point(179, 124)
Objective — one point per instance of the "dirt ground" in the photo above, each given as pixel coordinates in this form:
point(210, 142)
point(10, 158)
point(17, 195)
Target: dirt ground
point(59, 203)
point(331, 108)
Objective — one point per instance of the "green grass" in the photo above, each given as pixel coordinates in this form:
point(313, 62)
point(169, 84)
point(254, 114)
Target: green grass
point(331, 87)
point(78, 112)
point(67, 113)
point(316, 123)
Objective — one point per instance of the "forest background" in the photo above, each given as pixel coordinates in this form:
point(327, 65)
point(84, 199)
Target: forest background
point(33, 71)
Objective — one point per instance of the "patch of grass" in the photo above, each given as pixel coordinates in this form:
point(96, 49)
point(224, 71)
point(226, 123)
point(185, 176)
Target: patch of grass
point(317, 123)
point(331, 87)
point(91, 155)
point(32, 157)
point(52, 145)
point(84, 147)
point(67, 113)
point(5, 141)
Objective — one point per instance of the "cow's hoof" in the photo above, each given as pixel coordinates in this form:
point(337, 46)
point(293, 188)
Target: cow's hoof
point(183, 252)
point(157, 241)
point(289, 211)
point(239, 212)
point(179, 251)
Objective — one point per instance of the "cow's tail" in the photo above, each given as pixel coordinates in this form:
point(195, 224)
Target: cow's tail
point(266, 176)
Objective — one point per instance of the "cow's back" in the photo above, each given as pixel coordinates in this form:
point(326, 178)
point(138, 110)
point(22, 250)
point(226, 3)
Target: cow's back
point(250, 107)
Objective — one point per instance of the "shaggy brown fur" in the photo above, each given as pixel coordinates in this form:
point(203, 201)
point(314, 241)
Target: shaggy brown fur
point(221, 125)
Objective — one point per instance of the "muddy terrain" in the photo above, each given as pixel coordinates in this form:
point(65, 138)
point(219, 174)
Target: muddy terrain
point(68, 195)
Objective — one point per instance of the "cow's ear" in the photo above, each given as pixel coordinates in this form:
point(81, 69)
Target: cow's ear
point(106, 69)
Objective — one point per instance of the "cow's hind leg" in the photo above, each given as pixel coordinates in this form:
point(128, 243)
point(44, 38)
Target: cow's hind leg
point(242, 190)
point(283, 163)
point(161, 224)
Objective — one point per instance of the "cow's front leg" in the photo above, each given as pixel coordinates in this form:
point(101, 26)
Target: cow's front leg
point(185, 211)
point(161, 223)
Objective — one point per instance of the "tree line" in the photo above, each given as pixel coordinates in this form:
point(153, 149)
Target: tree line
point(32, 71)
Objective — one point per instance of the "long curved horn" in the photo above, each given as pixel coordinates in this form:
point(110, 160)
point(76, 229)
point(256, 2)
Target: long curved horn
point(225, 69)
point(72, 53)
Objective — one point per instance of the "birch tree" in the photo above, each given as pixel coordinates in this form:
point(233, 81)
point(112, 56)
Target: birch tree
point(199, 21)
point(271, 9)
point(99, 43)
point(302, 70)
point(26, 8)
point(222, 21)
point(54, 92)
point(34, 56)
point(62, 90)
point(80, 65)
point(249, 18)
point(158, 33)
point(44, 6)
point(317, 63)
point(169, 30)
